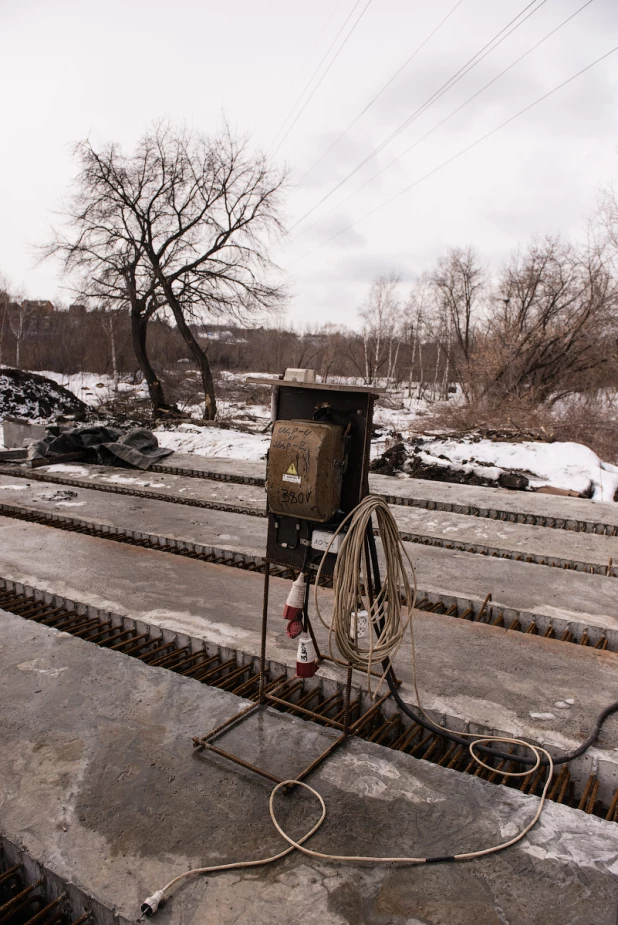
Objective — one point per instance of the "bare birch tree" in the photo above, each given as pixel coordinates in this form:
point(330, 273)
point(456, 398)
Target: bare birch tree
point(459, 285)
point(382, 329)
point(19, 315)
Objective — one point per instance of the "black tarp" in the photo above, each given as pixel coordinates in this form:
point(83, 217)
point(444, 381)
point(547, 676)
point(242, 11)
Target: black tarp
point(107, 446)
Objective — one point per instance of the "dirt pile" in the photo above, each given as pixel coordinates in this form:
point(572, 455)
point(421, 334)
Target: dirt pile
point(35, 398)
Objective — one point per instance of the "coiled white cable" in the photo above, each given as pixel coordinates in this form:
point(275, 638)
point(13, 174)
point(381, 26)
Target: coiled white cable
point(352, 591)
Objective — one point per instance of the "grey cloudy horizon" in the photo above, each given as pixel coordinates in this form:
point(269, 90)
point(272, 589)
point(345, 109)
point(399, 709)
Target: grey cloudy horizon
point(72, 70)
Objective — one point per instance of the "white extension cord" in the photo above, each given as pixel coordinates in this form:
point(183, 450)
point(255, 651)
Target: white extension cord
point(388, 625)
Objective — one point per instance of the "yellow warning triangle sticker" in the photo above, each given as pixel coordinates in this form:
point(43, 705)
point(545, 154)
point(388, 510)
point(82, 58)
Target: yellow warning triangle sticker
point(291, 469)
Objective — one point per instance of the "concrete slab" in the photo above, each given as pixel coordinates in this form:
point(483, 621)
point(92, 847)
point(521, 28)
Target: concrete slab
point(470, 499)
point(564, 600)
point(443, 495)
point(508, 682)
point(99, 783)
point(223, 529)
point(191, 463)
point(582, 551)
point(494, 503)
point(18, 433)
point(173, 487)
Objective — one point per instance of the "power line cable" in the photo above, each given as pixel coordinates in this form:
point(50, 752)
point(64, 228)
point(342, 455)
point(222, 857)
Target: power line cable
point(455, 78)
point(308, 84)
point(326, 25)
point(446, 119)
point(322, 60)
point(382, 90)
point(454, 157)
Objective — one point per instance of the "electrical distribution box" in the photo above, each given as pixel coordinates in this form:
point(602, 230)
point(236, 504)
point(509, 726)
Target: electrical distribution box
point(318, 464)
point(305, 469)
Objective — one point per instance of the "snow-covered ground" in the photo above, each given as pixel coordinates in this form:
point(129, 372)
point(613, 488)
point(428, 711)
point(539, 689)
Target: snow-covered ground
point(95, 389)
point(563, 465)
point(213, 441)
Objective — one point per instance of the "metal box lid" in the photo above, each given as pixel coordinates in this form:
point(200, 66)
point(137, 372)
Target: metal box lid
point(305, 467)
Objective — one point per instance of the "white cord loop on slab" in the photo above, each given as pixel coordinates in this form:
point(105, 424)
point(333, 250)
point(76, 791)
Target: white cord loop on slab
point(388, 623)
point(356, 859)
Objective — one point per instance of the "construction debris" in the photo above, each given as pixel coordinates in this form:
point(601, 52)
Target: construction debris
point(104, 445)
point(35, 398)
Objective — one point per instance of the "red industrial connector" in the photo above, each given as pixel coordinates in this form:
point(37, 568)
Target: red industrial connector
point(292, 612)
point(306, 664)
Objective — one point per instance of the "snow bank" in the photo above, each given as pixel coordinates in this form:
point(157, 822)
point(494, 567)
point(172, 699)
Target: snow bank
point(564, 465)
point(213, 441)
point(95, 389)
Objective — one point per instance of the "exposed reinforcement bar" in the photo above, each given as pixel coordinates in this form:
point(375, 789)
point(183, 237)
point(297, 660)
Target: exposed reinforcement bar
point(535, 520)
point(320, 699)
point(483, 612)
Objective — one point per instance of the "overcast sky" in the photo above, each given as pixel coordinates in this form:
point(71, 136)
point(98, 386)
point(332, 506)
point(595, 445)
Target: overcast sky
point(76, 68)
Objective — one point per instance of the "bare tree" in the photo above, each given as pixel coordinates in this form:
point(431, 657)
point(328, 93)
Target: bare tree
point(103, 250)
point(5, 301)
point(382, 329)
point(179, 224)
point(109, 318)
point(417, 312)
point(19, 315)
point(459, 286)
point(555, 318)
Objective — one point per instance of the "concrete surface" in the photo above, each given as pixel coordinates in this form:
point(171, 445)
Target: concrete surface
point(98, 781)
point(449, 496)
point(504, 681)
point(247, 468)
point(564, 599)
point(223, 529)
point(17, 433)
point(575, 513)
point(440, 493)
point(584, 551)
point(181, 487)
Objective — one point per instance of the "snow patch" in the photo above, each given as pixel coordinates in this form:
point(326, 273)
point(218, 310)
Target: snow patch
point(571, 466)
point(65, 467)
point(212, 441)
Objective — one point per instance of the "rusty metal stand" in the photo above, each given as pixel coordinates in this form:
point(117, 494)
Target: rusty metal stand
point(266, 696)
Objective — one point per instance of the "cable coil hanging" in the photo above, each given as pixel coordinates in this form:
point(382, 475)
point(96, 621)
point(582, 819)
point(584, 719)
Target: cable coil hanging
point(353, 591)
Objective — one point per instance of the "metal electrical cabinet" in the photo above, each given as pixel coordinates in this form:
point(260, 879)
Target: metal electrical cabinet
point(320, 442)
point(317, 473)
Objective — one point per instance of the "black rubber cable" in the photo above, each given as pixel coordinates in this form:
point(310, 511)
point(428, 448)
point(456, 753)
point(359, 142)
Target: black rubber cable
point(452, 736)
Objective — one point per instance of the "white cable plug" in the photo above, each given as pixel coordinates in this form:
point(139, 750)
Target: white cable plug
point(152, 903)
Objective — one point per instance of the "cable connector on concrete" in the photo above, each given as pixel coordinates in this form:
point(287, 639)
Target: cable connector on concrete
point(152, 903)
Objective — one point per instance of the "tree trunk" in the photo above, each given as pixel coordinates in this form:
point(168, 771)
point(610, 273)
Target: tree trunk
point(210, 404)
point(138, 337)
point(113, 351)
point(421, 371)
point(411, 377)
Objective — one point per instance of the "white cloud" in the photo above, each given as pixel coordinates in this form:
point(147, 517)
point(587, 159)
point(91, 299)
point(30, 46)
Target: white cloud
point(70, 70)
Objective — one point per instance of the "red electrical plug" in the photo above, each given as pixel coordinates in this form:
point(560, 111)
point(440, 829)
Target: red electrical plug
point(292, 612)
point(306, 665)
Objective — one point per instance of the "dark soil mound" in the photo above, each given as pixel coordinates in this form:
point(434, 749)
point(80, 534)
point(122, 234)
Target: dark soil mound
point(391, 461)
point(28, 395)
point(419, 470)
